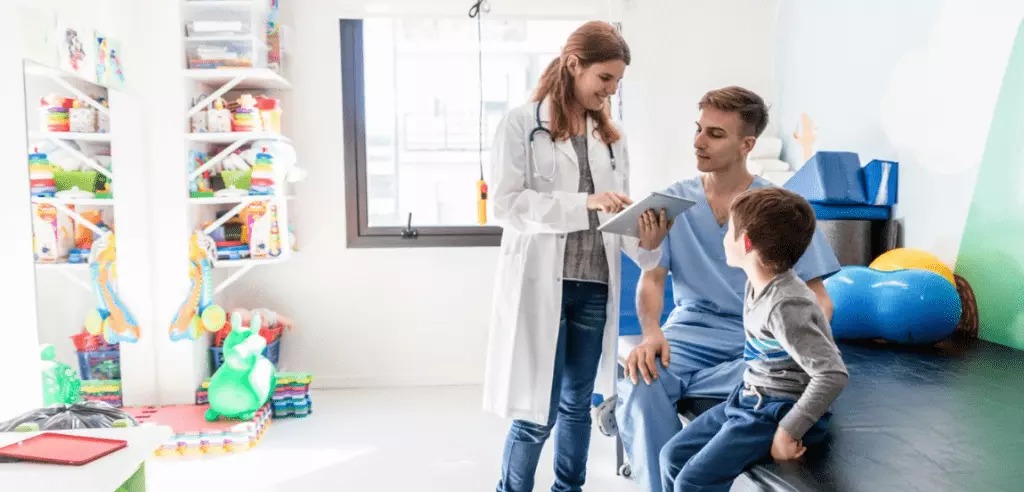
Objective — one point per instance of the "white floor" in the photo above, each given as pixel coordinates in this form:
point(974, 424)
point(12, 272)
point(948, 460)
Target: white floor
point(424, 439)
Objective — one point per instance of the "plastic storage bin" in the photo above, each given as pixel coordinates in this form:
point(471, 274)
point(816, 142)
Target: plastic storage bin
point(100, 365)
point(233, 53)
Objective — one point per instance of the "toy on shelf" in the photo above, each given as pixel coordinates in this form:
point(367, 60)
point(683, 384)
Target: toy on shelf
point(247, 117)
point(245, 382)
point(219, 117)
point(82, 118)
point(50, 236)
point(60, 383)
point(111, 316)
point(106, 391)
point(262, 181)
point(263, 231)
point(198, 312)
point(270, 113)
point(41, 177)
point(103, 119)
point(54, 113)
point(97, 360)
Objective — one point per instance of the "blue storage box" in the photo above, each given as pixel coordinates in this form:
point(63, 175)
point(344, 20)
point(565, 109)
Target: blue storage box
point(824, 211)
point(881, 182)
point(830, 177)
point(272, 352)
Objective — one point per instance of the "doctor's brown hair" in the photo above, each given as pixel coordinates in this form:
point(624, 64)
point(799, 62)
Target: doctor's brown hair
point(733, 99)
point(593, 42)
point(779, 223)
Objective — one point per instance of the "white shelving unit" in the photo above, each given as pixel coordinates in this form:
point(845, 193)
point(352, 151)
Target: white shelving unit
point(216, 84)
point(83, 90)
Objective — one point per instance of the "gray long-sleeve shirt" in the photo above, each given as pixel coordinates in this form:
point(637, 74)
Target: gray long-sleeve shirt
point(790, 352)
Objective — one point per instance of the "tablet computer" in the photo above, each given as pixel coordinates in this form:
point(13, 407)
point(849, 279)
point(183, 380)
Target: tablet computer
point(627, 222)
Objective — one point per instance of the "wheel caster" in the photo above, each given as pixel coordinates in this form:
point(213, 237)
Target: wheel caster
point(625, 470)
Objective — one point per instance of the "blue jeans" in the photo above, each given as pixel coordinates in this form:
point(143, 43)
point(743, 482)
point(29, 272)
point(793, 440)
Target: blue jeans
point(706, 361)
point(580, 337)
point(708, 454)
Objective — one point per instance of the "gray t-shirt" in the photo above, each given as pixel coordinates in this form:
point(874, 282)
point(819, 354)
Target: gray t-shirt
point(790, 352)
point(585, 258)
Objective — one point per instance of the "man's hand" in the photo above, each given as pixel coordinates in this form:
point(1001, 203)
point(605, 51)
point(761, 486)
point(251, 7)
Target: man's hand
point(608, 202)
point(653, 229)
point(642, 359)
point(785, 448)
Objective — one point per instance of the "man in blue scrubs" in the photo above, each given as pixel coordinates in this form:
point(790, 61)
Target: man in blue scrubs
point(699, 352)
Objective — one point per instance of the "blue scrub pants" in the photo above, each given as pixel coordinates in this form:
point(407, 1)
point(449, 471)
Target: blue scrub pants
point(706, 361)
point(717, 446)
point(580, 340)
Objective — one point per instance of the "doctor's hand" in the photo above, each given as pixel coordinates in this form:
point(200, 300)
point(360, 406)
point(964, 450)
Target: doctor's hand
point(608, 202)
point(653, 229)
point(643, 360)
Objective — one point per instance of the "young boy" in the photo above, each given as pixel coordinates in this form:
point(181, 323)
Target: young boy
point(794, 370)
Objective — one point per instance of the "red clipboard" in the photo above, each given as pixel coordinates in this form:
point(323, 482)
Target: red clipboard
point(62, 449)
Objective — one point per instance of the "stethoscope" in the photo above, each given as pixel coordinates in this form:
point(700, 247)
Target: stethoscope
point(554, 167)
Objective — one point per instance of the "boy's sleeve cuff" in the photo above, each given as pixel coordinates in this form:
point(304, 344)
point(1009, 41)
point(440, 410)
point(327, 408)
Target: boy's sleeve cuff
point(797, 423)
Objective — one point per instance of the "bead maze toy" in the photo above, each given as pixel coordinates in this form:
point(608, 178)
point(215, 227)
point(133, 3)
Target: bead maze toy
point(111, 316)
point(198, 312)
point(195, 437)
point(246, 381)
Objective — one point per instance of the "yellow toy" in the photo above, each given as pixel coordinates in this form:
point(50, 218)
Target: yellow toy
point(110, 317)
point(198, 312)
point(907, 258)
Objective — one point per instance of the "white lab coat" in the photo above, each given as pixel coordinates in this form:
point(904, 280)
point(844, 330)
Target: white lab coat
point(536, 216)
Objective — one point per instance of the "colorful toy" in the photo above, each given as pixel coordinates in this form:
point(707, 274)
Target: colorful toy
point(198, 312)
point(906, 258)
point(82, 119)
point(246, 381)
point(270, 114)
point(247, 118)
point(904, 306)
point(55, 113)
point(46, 243)
point(107, 391)
point(60, 383)
point(41, 177)
point(262, 181)
point(194, 436)
point(219, 117)
point(264, 233)
point(111, 316)
point(291, 397)
point(102, 119)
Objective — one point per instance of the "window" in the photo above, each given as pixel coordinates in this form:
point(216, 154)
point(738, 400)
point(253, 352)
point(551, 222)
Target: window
point(412, 117)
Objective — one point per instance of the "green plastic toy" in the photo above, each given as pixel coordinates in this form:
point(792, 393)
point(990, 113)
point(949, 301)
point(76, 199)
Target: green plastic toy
point(60, 382)
point(246, 380)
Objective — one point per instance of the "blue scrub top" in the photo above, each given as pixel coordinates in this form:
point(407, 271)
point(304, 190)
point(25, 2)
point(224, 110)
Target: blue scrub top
point(708, 293)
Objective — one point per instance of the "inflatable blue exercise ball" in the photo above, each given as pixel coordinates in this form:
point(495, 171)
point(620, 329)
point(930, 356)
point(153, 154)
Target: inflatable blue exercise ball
point(911, 306)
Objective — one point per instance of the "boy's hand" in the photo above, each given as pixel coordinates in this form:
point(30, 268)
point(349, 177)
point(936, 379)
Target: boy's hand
point(785, 448)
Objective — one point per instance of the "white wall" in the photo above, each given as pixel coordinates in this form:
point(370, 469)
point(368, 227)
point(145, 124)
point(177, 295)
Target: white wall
point(680, 51)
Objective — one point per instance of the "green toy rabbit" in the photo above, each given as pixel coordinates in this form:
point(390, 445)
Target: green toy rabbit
point(246, 380)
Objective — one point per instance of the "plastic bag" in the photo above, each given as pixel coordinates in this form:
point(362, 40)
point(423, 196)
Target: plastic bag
point(81, 415)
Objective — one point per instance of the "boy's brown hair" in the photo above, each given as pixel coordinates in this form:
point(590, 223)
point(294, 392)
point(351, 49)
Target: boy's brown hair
point(779, 223)
point(750, 106)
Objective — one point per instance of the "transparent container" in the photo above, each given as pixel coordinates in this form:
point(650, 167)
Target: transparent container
point(226, 33)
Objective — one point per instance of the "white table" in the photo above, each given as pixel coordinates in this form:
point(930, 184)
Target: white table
point(103, 475)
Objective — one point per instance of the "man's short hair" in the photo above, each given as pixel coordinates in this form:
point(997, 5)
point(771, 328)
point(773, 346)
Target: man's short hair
point(779, 223)
point(750, 106)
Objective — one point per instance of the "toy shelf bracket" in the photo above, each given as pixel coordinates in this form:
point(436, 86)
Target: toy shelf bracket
point(237, 209)
point(232, 279)
point(74, 279)
point(217, 158)
point(224, 89)
point(82, 157)
point(81, 220)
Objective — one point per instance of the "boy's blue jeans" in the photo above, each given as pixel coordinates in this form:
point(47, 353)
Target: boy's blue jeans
point(708, 454)
point(580, 337)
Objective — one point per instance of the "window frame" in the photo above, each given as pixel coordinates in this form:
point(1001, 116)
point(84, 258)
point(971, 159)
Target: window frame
point(359, 232)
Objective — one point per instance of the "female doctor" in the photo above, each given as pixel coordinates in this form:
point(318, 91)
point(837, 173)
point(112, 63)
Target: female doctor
point(560, 169)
